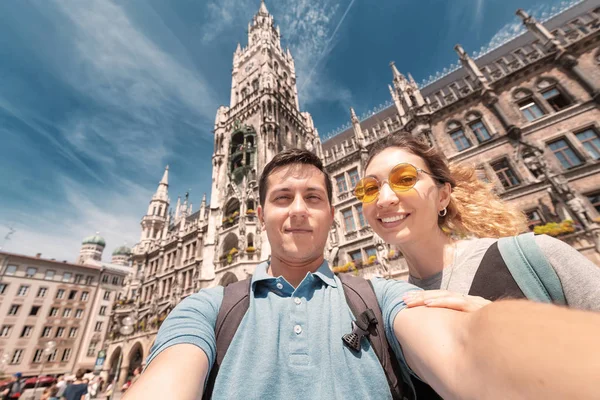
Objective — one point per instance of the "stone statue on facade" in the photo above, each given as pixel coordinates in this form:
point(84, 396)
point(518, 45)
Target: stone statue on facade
point(578, 207)
point(534, 164)
point(382, 253)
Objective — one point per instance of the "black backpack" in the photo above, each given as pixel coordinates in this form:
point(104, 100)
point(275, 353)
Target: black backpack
point(360, 298)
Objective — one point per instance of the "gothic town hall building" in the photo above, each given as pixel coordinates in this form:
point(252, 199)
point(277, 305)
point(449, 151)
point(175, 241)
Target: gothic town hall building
point(526, 114)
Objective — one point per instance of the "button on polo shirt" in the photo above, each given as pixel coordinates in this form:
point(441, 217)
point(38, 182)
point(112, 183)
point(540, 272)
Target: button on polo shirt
point(288, 345)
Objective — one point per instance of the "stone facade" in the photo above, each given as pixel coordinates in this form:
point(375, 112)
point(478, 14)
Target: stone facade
point(45, 300)
point(526, 115)
point(505, 112)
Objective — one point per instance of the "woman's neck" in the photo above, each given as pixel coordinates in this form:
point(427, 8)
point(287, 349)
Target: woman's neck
point(430, 255)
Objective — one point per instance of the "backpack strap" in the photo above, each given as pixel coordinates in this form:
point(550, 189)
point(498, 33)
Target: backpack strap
point(236, 301)
point(531, 270)
point(361, 297)
point(493, 280)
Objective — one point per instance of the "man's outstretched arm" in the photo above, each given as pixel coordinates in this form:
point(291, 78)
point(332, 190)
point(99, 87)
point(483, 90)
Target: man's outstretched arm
point(509, 349)
point(178, 372)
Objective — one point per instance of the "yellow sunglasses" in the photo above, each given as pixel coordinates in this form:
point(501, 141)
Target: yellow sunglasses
point(402, 178)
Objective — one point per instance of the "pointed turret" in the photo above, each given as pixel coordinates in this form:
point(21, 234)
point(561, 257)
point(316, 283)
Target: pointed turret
point(358, 135)
point(163, 187)
point(472, 68)
point(263, 8)
point(538, 29)
point(398, 103)
point(397, 74)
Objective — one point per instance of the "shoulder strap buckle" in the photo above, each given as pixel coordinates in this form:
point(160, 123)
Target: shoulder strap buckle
point(360, 328)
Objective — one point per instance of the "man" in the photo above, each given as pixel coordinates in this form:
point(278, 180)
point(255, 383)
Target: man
point(78, 389)
point(61, 385)
point(14, 388)
point(289, 343)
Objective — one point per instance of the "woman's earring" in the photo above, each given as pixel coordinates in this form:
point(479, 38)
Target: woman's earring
point(443, 212)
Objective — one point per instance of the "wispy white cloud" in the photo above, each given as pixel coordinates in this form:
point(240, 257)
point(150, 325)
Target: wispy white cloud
point(139, 89)
point(58, 233)
point(514, 28)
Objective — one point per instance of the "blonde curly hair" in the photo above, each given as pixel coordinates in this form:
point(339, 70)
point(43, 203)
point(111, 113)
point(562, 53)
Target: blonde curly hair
point(474, 208)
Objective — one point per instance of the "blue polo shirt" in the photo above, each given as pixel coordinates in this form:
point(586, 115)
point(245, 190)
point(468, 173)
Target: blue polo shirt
point(289, 344)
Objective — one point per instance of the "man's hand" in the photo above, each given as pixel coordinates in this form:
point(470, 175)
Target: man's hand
point(445, 299)
point(178, 373)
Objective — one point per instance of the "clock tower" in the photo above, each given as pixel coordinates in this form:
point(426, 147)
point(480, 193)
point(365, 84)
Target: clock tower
point(262, 119)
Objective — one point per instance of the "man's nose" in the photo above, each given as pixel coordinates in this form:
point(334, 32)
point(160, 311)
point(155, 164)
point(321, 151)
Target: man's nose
point(387, 196)
point(298, 206)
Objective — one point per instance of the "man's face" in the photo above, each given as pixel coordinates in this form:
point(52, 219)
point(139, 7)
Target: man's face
point(297, 215)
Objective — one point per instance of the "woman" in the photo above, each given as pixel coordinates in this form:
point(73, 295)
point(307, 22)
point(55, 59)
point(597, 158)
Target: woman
point(444, 220)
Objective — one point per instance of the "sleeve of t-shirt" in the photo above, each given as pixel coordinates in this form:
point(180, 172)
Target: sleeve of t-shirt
point(389, 296)
point(191, 322)
point(579, 277)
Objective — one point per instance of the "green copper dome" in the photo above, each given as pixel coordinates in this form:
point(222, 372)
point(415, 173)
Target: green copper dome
point(122, 251)
point(95, 239)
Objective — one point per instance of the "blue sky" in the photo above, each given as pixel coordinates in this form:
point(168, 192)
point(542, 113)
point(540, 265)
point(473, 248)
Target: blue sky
point(97, 96)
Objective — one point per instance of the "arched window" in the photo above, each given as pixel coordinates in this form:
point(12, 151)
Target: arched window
point(529, 107)
point(275, 66)
point(255, 85)
point(285, 76)
point(477, 126)
point(553, 94)
point(456, 132)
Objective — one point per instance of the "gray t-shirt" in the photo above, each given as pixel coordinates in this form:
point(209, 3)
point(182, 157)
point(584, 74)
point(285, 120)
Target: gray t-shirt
point(580, 278)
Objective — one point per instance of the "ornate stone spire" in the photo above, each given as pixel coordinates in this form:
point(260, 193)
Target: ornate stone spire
point(263, 8)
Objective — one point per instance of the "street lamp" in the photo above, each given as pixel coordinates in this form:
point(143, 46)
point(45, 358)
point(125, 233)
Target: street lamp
point(126, 329)
point(50, 346)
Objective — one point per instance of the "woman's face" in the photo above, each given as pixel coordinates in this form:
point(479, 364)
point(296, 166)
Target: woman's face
point(407, 216)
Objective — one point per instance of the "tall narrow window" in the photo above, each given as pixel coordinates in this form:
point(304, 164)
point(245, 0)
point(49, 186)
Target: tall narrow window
point(5, 331)
point(591, 142)
point(340, 181)
point(530, 110)
point(505, 174)
point(371, 251)
point(16, 358)
point(594, 199)
point(361, 218)
point(14, 309)
point(37, 357)
point(354, 178)
point(42, 292)
point(348, 220)
point(480, 131)
point(565, 154)
point(356, 256)
point(23, 290)
point(460, 140)
point(3, 287)
point(66, 355)
point(556, 99)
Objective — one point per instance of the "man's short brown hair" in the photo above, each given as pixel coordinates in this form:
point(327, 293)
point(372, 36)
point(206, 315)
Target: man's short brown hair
point(79, 374)
point(289, 157)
